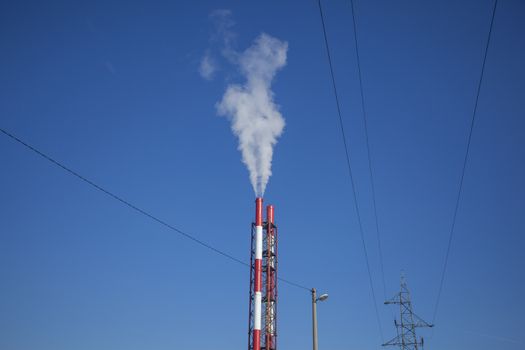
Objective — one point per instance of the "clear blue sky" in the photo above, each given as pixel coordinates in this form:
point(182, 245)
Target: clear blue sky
point(112, 89)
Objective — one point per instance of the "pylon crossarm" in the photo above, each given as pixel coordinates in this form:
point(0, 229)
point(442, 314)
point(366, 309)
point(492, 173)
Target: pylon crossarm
point(393, 342)
point(419, 322)
point(394, 300)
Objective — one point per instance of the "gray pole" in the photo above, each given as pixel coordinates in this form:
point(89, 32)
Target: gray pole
point(314, 318)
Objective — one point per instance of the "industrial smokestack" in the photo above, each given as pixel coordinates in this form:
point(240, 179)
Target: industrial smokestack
point(257, 303)
point(271, 280)
point(262, 323)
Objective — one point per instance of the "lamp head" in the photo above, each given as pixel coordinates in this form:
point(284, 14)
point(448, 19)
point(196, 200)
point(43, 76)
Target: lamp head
point(323, 297)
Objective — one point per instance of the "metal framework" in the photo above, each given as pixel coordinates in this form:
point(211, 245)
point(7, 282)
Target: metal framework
point(406, 338)
point(270, 277)
point(268, 271)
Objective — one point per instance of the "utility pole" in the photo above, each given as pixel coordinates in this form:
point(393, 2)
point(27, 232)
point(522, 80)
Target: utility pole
point(406, 338)
point(314, 318)
point(315, 299)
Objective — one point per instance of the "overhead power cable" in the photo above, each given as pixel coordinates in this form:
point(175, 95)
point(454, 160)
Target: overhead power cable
point(350, 173)
point(465, 160)
point(372, 182)
point(137, 209)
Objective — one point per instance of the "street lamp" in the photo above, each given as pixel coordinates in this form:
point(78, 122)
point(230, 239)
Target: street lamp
point(315, 299)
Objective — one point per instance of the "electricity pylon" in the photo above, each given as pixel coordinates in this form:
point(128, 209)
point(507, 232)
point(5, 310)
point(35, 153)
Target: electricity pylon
point(406, 337)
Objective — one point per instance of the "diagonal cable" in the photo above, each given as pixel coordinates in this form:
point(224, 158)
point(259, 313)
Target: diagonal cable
point(372, 182)
point(465, 160)
point(136, 208)
point(350, 173)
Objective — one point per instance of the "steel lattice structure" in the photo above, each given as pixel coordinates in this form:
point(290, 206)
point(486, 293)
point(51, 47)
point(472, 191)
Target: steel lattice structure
point(270, 279)
point(406, 338)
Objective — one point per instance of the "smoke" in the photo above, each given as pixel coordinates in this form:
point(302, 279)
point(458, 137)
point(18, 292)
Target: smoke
point(223, 37)
point(255, 118)
point(207, 67)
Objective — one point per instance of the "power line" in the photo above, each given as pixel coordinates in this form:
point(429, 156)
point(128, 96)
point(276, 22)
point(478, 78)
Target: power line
point(350, 173)
point(372, 182)
point(452, 231)
point(136, 208)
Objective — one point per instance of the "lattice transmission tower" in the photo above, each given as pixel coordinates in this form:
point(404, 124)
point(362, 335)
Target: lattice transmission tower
point(406, 338)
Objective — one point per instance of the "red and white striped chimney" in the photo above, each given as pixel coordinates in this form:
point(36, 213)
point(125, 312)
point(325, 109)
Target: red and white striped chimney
point(257, 316)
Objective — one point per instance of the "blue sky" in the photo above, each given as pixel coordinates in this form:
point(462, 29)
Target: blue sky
point(112, 89)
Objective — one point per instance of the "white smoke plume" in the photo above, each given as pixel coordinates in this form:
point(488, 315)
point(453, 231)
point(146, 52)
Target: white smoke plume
point(255, 118)
point(207, 67)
